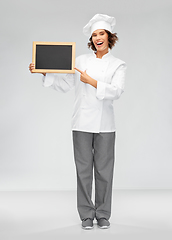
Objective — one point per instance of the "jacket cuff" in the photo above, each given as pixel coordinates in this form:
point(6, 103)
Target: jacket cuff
point(100, 94)
point(48, 80)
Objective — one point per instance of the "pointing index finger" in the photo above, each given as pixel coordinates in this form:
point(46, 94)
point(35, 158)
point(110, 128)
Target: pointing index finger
point(78, 70)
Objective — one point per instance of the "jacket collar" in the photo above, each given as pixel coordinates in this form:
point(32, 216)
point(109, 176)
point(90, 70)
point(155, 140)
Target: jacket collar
point(104, 56)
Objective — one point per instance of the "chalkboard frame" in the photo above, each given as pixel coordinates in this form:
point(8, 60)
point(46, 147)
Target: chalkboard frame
point(38, 70)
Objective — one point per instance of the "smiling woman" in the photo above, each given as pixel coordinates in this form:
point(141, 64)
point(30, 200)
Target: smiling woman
point(98, 80)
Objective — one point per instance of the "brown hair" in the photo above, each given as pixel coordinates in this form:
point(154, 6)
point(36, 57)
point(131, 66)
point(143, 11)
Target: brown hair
point(112, 38)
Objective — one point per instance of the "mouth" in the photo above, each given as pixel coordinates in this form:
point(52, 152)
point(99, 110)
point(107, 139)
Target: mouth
point(99, 44)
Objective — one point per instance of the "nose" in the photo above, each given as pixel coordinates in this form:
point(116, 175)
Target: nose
point(97, 37)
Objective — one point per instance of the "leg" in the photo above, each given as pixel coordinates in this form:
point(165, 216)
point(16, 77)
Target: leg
point(83, 154)
point(103, 165)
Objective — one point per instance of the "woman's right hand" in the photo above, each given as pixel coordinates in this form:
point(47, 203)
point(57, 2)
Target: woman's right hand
point(32, 67)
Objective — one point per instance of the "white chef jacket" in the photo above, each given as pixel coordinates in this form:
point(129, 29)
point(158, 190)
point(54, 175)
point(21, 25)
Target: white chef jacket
point(93, 107)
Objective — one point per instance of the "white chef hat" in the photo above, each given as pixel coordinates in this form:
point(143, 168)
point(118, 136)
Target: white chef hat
point(99, 21)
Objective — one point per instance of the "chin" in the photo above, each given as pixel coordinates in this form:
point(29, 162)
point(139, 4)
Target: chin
point(101, 50)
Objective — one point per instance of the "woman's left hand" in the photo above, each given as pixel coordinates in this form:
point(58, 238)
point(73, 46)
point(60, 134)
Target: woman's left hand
point(84, 76)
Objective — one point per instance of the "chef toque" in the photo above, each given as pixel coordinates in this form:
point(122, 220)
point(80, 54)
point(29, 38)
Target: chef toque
point(99, 21)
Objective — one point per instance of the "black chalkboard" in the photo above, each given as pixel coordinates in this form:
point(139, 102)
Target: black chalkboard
point(54, 57)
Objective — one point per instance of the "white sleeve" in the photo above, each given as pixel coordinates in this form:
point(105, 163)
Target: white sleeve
point(62, 83)
point(113, 90)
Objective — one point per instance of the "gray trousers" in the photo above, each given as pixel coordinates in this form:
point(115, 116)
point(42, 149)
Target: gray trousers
point(94, 150)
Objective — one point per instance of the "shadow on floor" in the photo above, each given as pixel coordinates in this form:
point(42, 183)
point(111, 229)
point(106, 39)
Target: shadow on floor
point(116, 232)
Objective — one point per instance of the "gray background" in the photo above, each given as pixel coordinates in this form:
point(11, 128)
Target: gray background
point(35, 129)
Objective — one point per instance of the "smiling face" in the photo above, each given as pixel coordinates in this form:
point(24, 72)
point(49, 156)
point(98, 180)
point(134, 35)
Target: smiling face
point(100, 40)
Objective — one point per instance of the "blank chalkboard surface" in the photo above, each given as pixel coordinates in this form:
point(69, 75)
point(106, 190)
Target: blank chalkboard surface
point(54, 57)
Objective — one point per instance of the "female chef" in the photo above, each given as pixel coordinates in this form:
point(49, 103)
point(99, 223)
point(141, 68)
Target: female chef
point(98, 80)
